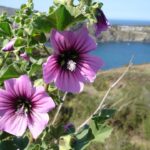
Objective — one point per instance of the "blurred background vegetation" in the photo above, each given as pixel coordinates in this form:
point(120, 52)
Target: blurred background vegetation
point(131, 98)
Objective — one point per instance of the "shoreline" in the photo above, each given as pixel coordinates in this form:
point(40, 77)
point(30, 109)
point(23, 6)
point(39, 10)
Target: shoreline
point(125, 34)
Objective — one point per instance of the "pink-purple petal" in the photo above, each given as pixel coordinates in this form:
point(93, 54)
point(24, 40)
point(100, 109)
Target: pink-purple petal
point(61, 41)
point(50, 69)
point(9, 86)
point(41, 101)
point(37, 123)
point(5, 100)
point(23, 86)
point(89, 66)
point(84, 43)
point(13, 123)
point(68, 81)
point(2, 112)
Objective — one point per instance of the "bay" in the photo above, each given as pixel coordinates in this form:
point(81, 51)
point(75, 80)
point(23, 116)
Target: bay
point(118, 54)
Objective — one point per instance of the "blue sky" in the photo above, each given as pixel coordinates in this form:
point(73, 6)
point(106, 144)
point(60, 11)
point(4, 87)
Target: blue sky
point(114, 9)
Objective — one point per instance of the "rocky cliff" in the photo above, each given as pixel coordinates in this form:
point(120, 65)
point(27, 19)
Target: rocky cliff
point(126, 34)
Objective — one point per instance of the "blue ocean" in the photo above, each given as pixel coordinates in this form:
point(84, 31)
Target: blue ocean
point(115, 54)
point(130, 22)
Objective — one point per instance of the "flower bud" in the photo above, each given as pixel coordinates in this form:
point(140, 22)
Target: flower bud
point(9, 46)
point(25, 56)
point(102, 22)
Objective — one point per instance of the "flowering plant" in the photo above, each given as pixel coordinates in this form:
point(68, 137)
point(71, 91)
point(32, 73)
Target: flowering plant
point(38, 70)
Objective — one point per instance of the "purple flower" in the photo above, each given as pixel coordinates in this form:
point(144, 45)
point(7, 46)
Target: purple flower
point(102, 22)
point(68, 128)
point(25, 56)
point(22, 106)
point(71, 65)
point(9, 46)
point(15, 26)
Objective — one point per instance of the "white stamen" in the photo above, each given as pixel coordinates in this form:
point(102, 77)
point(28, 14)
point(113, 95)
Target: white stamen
point(71, 65)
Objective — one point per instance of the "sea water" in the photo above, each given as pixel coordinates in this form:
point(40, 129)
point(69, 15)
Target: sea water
point(115, 54)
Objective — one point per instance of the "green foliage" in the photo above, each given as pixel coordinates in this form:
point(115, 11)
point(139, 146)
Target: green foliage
point(5, 29)
point(5, 145)
point(20, 42)
point(34, 147)
point(83, 139)
point(65, 142)
point(7, 142)
point(101, 133)
point(91, 134)
point(38, 37)
point(102, 116)
point(59, 19)
point(10, 71)
point(35, 67)
point(57, 2)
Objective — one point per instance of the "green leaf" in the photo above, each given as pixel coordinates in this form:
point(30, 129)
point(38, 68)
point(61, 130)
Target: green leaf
point(4, 136)
point(43, 23)
point(5, 42)
point(57, 131)
point(34, 147)
point(21, 143)
point(62, 18)
point(102, 133)
point(86, 2)
point(20, 32)
point(5, 29)
point(11, 71)
point(64, 143)
point(39, 36)
point(91, 134)
point(7, 145)
point(36, 67)
point(20, 42)
point(59, 19)
point(39, 82)
point(59, 2)
point(8, 141)
point(103, 115)
point(83, 139)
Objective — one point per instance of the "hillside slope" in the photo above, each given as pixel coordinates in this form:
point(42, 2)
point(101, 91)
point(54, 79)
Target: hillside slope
point(131, 98)
point(10, 11)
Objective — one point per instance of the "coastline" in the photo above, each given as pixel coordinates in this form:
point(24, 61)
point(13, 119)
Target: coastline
point(125, 34)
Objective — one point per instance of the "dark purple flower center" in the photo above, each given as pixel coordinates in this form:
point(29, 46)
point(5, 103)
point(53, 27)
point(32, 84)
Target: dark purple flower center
point(23, 104)
point(68, 59)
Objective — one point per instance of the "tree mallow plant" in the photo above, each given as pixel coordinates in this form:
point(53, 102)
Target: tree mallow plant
point(56, 67)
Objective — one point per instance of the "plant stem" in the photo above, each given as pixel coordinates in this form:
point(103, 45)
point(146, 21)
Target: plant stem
point(59, 108)
point(70, 2)
point(46, 50)
point(105, 96)
point(46, 87)
point(4, 60)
